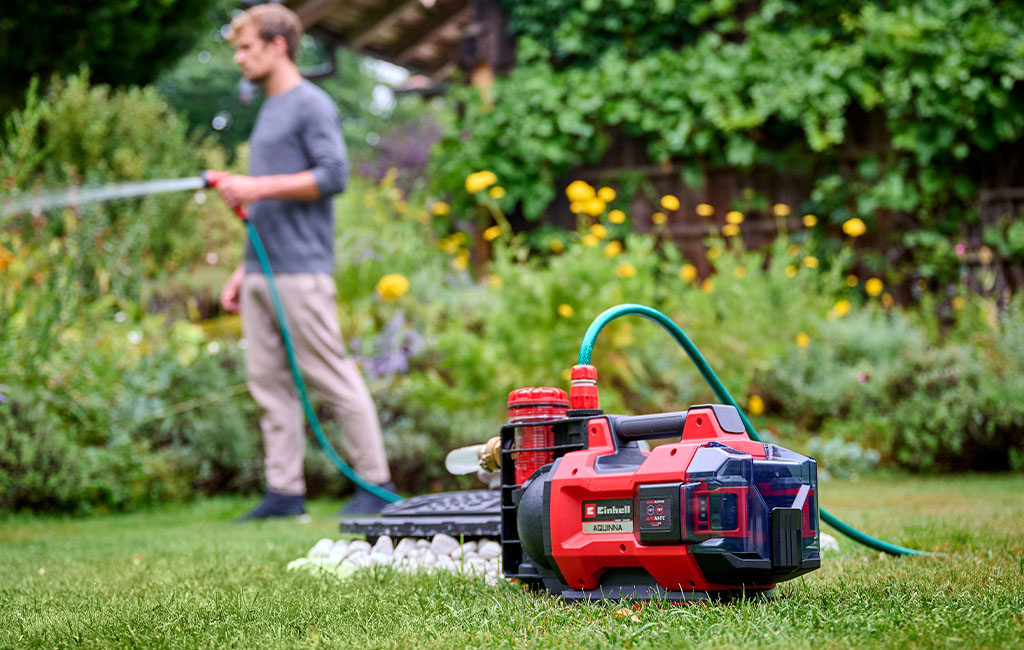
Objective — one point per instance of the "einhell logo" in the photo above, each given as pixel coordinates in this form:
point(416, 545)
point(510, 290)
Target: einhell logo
point(608, 516)
point(608, 509)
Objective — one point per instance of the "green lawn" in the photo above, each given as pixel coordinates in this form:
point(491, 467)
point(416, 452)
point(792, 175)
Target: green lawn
point(186, 576)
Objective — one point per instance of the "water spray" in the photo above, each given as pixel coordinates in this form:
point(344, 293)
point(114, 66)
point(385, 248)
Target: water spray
point(38, 203)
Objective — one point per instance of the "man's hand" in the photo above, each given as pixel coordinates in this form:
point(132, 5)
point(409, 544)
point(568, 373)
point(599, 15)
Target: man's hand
point(237, 189)
point(230, 294)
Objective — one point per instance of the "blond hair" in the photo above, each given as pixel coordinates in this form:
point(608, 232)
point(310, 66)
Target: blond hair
point(270, 20)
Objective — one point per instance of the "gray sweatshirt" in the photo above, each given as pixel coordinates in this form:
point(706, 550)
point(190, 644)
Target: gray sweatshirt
point(297, 131)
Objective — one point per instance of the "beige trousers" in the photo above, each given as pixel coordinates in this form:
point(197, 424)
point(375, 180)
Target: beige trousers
point(311, 311)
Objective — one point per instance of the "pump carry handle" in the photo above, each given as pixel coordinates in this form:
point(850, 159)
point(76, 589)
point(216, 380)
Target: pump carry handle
point(211, 178)
point(650, 427)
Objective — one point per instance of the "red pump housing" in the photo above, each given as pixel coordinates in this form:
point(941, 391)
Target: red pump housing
point(711, 515)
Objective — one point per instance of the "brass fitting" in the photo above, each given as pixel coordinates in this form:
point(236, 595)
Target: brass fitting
point(490, 455)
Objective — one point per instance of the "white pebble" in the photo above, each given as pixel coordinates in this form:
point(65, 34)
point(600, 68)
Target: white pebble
point(828, 543)
point(380, 559)
point(384, 546)
point(428, 559)
point(469, 546)
point(405, 547)
point(490, 550)
point(321, 549)
point(443, 545)
point(445, 563)
point(360, 546)
point(423, 543)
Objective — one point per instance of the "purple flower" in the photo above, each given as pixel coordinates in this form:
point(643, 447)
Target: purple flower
point(391, 350)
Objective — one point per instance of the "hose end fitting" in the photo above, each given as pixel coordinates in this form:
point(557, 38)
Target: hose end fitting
point(583, 387)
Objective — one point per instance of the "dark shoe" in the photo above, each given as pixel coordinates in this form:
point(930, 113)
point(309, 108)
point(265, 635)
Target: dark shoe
point(277, 505)
point(363, 502)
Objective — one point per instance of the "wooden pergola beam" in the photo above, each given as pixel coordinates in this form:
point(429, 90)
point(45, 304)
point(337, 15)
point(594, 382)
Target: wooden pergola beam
point(361, 34)
point(428, 31)
point(311, 11)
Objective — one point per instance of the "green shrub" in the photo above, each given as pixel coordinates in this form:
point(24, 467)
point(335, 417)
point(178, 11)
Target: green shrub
point(881, 380)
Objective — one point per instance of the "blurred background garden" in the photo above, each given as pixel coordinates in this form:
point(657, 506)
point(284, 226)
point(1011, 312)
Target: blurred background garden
point(827, 197)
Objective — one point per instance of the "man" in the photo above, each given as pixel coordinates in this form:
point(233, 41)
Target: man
point(297, 160)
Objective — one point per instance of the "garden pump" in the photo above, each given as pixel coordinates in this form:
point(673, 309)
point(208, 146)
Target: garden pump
point(588, 514)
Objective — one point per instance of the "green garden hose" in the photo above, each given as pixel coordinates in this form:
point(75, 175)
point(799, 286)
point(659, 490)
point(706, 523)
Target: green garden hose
point(586, 351)
point(300, 385)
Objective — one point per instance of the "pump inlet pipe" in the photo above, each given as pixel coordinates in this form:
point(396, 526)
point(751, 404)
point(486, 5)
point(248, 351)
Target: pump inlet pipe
point(36, 204)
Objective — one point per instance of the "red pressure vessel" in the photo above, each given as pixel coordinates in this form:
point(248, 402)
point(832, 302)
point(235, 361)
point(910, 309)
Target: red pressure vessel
point(527, 405)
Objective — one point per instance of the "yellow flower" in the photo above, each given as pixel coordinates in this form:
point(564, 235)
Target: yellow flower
point(958, 303)
point(852, 280)
point(841, 308)
point(461, 261)
point(873, 286)
point(755, 404)
point(734, 216)
point(594, 207)
point(730, 230)
point(854, 227)
point(780, 210)
point(480, 181)
point(811, 262)
point(810, 221)
point(688, 272)
point(794, 250)
point(400, 207)
point(791, 271)
point(617, 216)
point(714, 253)
point(556, 246)
point(625, 270)
point(392, 286)
point(369, 200)
point(599, 231)
point(670, 202)
point(606, 194)
point(802, 340)
point(566, 311)
point(659, 218)
point(708, 285)
point(887, 299)
point(705, 209)
point(449, 245)
point(494, 281)
point(612, 249)
point(576, 207)
point(740, 272)
point(590, 239)
point(497, 192)
point(440, 209)
point(580, 191)
point(492, 233)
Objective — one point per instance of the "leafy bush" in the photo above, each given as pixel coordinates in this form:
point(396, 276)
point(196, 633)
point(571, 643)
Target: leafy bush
point(778, 85)
point(880, 379)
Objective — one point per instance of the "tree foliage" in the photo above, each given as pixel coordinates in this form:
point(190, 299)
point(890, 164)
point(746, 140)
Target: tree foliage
point(123, 42)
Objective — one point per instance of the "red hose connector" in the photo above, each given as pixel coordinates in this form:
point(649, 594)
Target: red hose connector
point(583, 390)
point(211, 178)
